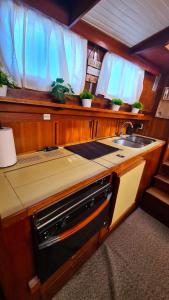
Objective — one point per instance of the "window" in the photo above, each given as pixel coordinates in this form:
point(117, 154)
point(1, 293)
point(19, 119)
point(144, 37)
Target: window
point(35, 50)
point(120, 78)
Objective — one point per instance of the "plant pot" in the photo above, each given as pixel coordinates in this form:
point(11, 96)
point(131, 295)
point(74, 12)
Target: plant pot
point(115, 107)
point(87, 102)
point(135, 110)
point(58, 100)
point(3, 91)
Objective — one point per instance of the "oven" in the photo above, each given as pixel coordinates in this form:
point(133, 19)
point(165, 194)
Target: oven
point(62, 228)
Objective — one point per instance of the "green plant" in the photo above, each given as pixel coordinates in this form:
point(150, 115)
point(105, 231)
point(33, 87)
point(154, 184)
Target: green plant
point(5, 81)
point(117, 101)
point(138, 105)
point(86, 95)
point(59, 89)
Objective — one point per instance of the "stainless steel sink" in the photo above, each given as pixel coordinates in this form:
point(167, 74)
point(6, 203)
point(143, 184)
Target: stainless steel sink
point(125, 142)
point(140, 139)
point(134, 141)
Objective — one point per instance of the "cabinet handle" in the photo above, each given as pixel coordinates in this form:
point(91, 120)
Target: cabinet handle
point(76, 228)
point(91, 126)
point(97, 122)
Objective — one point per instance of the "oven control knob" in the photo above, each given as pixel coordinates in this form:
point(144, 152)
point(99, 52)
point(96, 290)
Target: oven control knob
point(92, 203)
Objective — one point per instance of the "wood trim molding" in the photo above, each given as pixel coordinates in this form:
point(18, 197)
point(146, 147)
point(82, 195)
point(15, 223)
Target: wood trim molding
point(156, 40)
point(84, 223)
point(79, 9)
point(72, 109)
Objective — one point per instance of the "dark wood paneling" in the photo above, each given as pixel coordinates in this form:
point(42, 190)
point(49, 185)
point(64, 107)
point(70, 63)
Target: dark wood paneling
point(79, 8)
point(152, 49)
point(148, 96)
point(50, 8)
point(158, 128)
point(166, 152)
point(156, 40)
point(18, 255)
point(157, 56)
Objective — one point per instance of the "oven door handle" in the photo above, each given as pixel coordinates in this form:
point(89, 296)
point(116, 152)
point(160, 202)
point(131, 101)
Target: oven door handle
point(74, 229)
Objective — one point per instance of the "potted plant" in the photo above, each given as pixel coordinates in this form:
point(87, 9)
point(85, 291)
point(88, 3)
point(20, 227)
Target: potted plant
point(137, 106)
point(86, 98)
point(4, 83)
point(59, 89)
point(116, 103)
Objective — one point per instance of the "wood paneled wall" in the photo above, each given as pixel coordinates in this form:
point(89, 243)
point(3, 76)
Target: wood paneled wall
point(148, 96)
point(32, 133)
point(158, 128)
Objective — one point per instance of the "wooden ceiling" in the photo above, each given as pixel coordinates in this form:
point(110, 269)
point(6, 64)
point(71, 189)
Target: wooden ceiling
point(129, 21)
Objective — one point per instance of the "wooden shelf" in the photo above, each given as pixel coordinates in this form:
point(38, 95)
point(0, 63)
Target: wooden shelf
point(46, 103)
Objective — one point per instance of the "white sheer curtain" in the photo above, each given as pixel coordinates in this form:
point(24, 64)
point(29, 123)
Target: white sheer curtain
point(120, 78)
point(36, 50)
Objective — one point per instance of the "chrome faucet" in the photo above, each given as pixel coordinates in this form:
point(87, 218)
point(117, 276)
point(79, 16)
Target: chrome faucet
point(124, 124)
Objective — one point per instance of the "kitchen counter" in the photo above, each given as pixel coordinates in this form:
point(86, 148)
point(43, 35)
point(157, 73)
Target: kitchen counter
point(23, 186)
point(125, 153)
point(40, 175)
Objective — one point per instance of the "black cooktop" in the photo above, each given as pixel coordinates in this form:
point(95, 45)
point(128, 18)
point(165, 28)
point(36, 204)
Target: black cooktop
point(91, 150)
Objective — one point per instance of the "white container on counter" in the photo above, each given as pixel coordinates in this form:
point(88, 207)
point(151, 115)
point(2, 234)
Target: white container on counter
point(3, 91)
point(7, 147)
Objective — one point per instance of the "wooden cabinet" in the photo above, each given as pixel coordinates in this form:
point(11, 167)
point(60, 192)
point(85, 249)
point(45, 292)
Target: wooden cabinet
point(127, 191)
point(74, 130)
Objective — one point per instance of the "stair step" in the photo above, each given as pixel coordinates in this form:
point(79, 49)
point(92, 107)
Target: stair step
point(162, 182)
point(164, 168)
point(156, 203)
point(157, 193)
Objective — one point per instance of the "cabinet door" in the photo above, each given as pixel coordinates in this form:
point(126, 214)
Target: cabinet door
point(105, 127)
point(127, 191)
point(74, 130)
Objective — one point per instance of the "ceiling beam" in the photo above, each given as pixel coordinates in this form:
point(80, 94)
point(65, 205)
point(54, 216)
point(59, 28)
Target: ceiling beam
point(56, 10)
point(79, 9)
point(157, 40)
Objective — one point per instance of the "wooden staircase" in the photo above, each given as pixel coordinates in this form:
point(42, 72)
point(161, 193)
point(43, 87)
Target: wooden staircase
point(156, 198)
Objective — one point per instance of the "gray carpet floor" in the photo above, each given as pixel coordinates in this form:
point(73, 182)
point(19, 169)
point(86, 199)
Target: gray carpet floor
point(132, 264)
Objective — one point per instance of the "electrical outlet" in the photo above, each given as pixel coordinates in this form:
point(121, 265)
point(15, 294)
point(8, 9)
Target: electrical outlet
point(46, 117)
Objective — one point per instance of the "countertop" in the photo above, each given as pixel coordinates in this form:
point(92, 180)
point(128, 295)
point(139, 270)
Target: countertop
point(114, 159)
point(40, 175)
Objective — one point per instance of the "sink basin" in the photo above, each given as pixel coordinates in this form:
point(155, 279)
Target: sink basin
point(126, 142)
point(140, 139)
